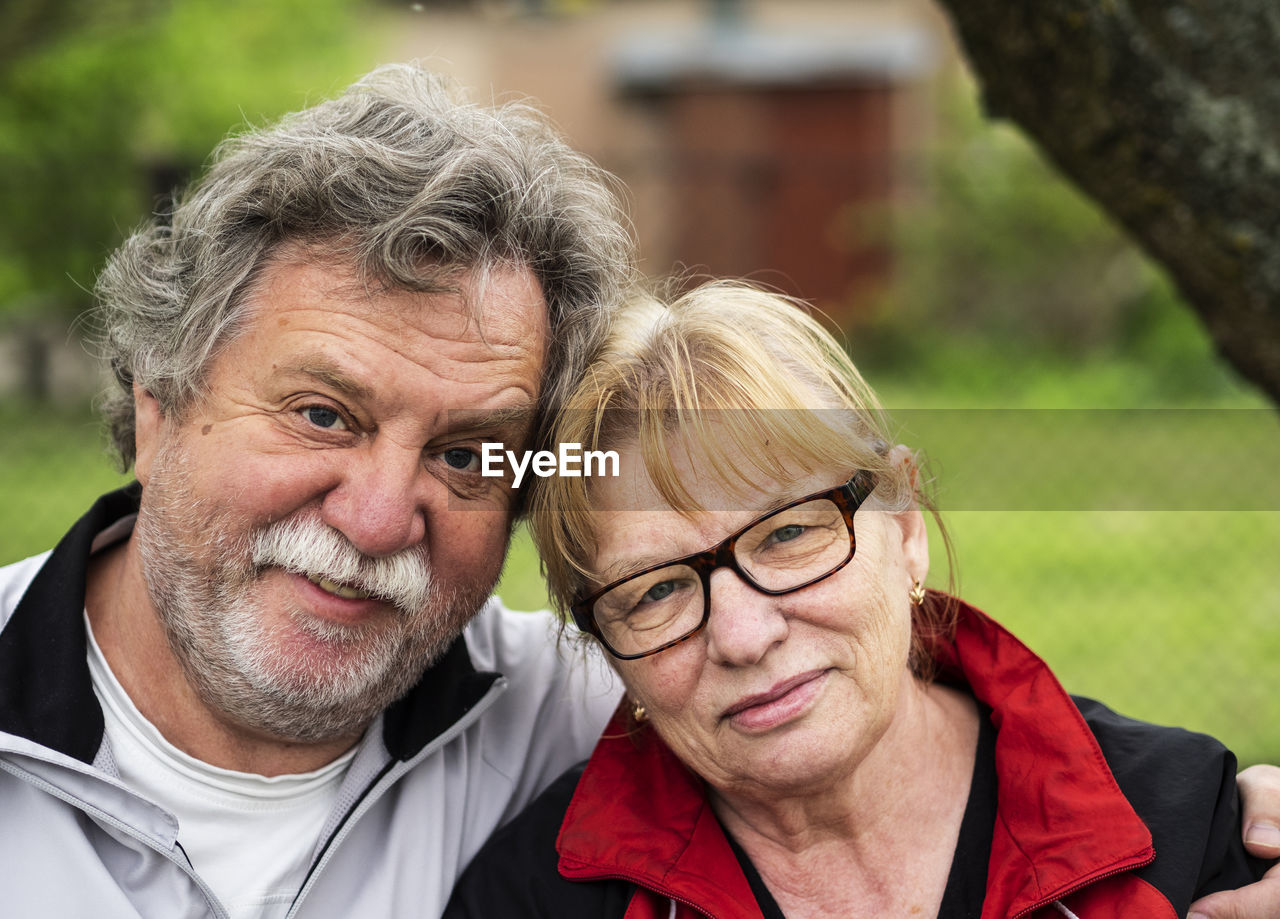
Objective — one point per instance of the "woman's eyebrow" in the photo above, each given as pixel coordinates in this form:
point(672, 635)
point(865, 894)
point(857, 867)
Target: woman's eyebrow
point(622, 569)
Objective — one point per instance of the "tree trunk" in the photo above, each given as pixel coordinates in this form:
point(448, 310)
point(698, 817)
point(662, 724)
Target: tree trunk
point(34, 366)
point(1167, 112)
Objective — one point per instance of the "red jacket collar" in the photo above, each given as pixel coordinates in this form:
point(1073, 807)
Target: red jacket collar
point(639, 814)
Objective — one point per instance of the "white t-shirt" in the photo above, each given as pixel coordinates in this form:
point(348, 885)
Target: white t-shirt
point(251, 838)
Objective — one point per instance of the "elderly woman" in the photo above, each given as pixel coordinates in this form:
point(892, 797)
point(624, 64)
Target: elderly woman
point(809, 732)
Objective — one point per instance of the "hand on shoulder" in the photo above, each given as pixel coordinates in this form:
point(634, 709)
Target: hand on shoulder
point(1260, 822)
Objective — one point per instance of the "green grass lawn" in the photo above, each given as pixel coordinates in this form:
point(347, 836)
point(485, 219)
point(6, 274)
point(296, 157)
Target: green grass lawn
point(1169, 616)
point(1133, 546)
point(1172, 615)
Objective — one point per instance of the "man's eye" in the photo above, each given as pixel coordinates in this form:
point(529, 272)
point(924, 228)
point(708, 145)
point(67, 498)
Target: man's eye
point(324, 417)
point(461, 459)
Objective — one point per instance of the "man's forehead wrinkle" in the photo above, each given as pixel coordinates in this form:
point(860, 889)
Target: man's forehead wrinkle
point(360, 279)
point(346, 282)
point(327, 370)
point(464, 312)
point(445, 325)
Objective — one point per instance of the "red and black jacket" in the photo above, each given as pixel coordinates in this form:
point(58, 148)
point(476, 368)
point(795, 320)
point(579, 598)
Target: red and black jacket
point(1098, 816)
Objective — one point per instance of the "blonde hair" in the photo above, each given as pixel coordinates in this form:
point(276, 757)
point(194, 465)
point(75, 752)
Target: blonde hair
point(721, 371)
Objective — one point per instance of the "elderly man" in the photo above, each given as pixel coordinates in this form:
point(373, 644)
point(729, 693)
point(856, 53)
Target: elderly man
point(258, 685)
point(241, 689)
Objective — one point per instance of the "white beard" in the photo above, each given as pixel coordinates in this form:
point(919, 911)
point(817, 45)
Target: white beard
point(295, 677)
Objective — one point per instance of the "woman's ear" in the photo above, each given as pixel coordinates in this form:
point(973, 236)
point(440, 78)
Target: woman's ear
point(148, 424)
point(913, 533)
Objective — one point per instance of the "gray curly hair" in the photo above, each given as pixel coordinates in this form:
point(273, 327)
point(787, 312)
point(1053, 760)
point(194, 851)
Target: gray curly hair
point(399, 177)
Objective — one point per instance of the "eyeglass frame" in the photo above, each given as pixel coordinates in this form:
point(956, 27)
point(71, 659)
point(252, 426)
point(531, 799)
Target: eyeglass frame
point(847, 497)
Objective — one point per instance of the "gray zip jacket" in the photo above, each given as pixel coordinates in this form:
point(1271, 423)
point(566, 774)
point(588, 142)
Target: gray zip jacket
point(500, 716)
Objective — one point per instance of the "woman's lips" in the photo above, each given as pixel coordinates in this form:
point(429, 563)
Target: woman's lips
point(783, 702)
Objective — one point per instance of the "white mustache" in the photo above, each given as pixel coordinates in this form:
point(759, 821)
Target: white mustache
point(306, 546)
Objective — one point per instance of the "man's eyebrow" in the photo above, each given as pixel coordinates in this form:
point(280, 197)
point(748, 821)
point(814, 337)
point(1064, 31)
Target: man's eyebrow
point(330, 374)
point(512, 416)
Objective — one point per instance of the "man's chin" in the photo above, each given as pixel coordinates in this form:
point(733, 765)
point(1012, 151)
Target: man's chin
point(263, 660)
point(297, 686)
point(305, 708)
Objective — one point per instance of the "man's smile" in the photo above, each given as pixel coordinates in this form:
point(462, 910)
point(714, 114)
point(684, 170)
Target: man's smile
point(338, 590)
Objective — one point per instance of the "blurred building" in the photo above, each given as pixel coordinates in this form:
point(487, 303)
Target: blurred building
point(763, 139)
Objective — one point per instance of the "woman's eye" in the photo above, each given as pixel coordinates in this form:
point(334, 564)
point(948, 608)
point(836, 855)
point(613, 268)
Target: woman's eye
point(461, 459)
point(659, 592)
point(324, 417)
point(786, 533)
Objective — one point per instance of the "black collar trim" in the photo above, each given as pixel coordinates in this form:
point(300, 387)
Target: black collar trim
point(46, 693)
point(449, 689)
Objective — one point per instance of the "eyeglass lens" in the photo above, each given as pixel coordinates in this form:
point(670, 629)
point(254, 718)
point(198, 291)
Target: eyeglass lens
point(783, 551)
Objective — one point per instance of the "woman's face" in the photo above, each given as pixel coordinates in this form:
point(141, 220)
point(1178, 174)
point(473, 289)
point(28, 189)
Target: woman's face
point(776, 694)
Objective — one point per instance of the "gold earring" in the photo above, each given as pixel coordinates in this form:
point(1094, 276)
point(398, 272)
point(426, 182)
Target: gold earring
point(638, 714)
point(917, 594)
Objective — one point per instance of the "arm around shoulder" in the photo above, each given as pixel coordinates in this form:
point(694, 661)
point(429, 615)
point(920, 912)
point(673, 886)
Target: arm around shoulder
point(1183, 786)
point(516, 872)
point(559, 695)
point(1260, 796)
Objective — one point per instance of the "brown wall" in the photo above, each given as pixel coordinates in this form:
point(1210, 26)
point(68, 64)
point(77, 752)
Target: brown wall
point(784, 183)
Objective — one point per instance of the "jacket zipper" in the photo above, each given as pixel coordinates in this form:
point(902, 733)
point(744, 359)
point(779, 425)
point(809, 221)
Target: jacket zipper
point(646, 884)
point(1080, 885)
point(366, 801)
point(373, 793)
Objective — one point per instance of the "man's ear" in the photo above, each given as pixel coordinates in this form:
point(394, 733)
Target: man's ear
point(911, 525)
point(148, 429)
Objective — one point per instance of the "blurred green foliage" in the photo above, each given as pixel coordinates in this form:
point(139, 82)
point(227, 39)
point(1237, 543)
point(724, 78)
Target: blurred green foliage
point(106, 104)
point(1004, 270)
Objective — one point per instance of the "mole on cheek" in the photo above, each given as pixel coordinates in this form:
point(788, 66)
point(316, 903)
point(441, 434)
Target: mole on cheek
point(206, 429)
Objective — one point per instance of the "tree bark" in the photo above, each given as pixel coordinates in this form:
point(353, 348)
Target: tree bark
point(1167, 112)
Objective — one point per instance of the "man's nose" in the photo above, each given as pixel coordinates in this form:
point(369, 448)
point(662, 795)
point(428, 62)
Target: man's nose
point(744, 623)
point(380, 501)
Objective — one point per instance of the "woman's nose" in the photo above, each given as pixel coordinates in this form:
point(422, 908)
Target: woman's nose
point(744, 623)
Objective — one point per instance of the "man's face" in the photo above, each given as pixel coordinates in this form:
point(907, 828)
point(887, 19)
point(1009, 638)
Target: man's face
point(315, 530)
